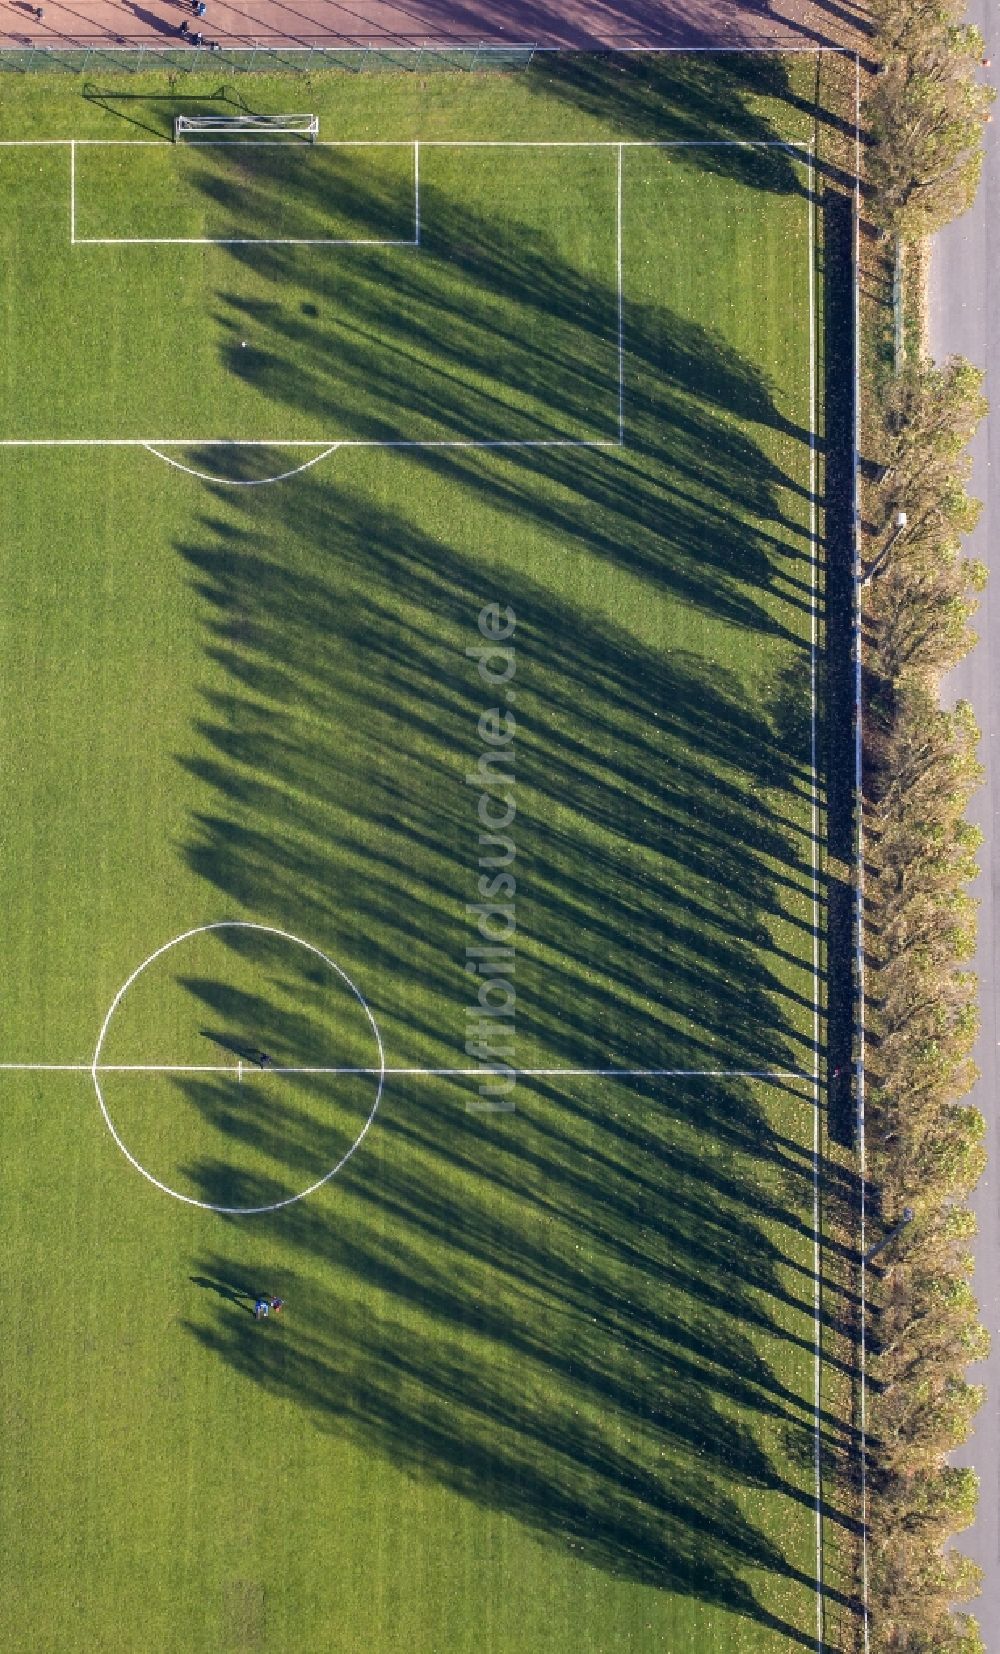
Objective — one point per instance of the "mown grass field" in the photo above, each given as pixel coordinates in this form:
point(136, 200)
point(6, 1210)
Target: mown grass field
point(545, 1379)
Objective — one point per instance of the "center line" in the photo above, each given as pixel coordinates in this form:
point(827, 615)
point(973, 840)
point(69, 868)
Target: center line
point(419, 1073)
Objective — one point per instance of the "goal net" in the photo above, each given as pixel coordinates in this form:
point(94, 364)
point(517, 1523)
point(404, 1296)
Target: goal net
point(243, 126)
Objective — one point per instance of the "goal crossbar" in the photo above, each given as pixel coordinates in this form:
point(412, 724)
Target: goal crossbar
point(301, 126)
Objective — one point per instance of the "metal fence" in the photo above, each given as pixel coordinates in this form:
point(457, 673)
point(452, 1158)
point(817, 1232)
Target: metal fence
point(303, 60)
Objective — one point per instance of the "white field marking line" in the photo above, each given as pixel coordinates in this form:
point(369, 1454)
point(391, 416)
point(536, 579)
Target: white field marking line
point(218, 143)
point(612, 143)
point(859, 909)
point(414, 1073)
point(222, 143)
point(72, 194)
point(329, 443)
point(230, 241)
point(621, 313)
point(814, 828)
point(243, 482)
point(577, 143)
point(432, 143)
point(416, 193)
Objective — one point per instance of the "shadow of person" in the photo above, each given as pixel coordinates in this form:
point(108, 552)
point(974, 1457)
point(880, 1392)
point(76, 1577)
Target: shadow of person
point(150, 19)
point(242, 1297)
point(239, 1048)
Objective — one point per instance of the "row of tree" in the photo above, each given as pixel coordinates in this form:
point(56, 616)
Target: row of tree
point(925, 1143)
point(925, 118)
point(925, 115)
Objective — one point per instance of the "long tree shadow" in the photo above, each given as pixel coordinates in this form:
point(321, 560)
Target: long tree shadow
point(645, 901)
point(699, 98)
point(571, 1344)
point(596, 1313)
point(696, 98)
point(613, 757)
point(494, 334)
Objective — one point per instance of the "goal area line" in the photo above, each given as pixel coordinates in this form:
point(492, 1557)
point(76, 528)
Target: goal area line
point(237, 240)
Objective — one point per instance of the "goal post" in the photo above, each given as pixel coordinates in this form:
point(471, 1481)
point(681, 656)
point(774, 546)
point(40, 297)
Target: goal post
point(208, 127)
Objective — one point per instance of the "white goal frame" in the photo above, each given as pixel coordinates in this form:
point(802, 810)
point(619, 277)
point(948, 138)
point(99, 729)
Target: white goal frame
point(234, 126)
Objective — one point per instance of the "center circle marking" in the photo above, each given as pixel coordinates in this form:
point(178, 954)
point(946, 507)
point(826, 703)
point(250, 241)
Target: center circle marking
point(286, 936)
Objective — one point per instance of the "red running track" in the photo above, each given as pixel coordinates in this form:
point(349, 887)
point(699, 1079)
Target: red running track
point(570, 23)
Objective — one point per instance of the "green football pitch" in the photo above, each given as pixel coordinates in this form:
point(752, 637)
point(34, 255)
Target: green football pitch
point(413, 866)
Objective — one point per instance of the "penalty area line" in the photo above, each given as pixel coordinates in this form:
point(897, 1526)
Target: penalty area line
point(243, 482)
point(231, 241)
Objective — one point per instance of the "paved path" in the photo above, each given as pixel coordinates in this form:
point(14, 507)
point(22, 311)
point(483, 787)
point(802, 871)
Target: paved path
point(965, 319)
point(410, 22)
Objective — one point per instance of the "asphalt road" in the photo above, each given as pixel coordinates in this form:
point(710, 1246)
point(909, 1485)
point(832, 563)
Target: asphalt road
point(965, 320)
